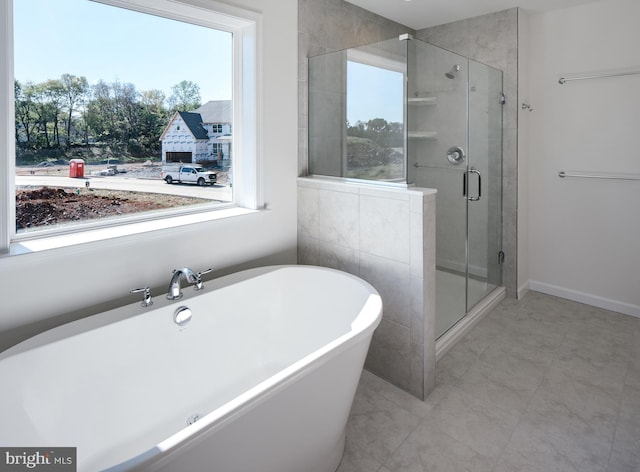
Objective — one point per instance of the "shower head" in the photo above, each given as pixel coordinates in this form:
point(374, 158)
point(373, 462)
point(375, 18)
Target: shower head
point(453, 72)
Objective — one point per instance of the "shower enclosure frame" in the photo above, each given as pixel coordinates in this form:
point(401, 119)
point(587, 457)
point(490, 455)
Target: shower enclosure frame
point(462, 159)
point(331, 96)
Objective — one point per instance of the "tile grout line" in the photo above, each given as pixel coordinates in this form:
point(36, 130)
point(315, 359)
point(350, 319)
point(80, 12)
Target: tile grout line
point(392, 453)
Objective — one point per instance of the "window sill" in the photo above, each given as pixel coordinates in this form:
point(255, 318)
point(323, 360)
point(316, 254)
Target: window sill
point(132, 229)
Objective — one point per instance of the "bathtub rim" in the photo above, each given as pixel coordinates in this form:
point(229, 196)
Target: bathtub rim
point(114, 315)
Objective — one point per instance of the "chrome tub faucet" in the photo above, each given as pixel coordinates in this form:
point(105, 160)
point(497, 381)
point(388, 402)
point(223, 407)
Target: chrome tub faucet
point(174, 292)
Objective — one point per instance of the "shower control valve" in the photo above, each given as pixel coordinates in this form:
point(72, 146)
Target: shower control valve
point(455, 155)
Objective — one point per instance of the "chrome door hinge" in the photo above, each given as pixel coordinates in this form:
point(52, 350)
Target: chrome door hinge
point(502, 98)
point(500, 257)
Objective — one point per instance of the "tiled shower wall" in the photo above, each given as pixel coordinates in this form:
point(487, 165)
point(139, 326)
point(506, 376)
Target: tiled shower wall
point(387, 237)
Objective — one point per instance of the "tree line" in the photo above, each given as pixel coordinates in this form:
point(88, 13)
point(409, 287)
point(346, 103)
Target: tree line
point(374, 143)
point(383, 133)
point(68, 111)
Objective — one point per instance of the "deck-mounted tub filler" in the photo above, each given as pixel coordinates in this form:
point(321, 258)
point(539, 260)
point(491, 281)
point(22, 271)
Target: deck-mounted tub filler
point(261, 378)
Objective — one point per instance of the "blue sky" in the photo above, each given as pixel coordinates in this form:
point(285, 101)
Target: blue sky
point(84, 38)
point(374, 92)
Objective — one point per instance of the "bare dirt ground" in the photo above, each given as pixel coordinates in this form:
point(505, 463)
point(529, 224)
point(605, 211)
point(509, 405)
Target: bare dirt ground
point(49, 206)
point(43, 206)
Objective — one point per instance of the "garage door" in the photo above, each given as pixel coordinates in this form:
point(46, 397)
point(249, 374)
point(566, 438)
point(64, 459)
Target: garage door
point(184, 157)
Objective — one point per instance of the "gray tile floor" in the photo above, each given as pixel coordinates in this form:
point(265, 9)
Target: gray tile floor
point(541, 384)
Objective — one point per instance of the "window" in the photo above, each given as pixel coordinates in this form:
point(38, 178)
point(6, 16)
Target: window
point(375, 128)
point(79, 130)
point(367, 141)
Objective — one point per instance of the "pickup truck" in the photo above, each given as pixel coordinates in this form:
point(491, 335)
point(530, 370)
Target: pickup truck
point(189, 174)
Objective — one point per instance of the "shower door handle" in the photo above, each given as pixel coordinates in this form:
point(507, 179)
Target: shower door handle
point(465, 180)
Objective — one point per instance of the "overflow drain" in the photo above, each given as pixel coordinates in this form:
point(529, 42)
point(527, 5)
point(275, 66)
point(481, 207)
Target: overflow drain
point(192, 419)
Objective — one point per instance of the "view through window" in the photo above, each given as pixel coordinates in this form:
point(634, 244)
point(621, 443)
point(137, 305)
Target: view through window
point(117, 112)
point(375, 128)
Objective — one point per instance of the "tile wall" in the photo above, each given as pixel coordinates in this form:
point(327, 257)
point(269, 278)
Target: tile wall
point(387, 237)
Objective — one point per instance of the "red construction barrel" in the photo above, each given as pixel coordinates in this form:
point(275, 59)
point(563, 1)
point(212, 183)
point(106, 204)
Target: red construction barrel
point(76, 168)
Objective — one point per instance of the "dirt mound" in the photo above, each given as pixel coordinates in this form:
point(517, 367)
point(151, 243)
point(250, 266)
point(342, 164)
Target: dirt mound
point(49, 206)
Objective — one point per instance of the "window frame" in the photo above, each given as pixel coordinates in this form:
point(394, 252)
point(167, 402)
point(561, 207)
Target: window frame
point(246, 28)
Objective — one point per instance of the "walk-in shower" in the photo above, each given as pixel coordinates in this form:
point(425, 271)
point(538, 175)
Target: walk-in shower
point(407, 113)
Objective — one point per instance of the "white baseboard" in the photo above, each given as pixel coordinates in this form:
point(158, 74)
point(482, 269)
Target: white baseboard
point(522, 290)
point(581, 297)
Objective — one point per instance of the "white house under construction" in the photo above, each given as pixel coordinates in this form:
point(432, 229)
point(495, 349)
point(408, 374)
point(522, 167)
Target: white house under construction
point(201, 135)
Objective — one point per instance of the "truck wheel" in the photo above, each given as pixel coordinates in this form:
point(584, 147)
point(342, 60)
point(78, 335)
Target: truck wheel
point(201, 182)
point(168, 179)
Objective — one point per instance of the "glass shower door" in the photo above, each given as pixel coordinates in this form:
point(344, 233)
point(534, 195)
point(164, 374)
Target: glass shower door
point(484, 189)
point(437, 147)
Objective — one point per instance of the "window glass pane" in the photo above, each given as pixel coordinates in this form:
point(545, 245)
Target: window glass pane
point(375, 130)
point(109, 103)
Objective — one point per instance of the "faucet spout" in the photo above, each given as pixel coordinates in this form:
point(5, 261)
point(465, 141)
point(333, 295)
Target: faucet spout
point(174, 292)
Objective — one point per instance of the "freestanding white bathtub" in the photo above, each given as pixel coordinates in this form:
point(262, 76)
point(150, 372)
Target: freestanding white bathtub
point(267, 368)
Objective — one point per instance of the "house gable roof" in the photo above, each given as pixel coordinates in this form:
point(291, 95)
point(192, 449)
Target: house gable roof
point(216, 111)
point(194, 123)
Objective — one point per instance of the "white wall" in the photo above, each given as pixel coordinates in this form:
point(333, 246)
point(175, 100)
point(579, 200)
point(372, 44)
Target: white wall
point(584, 239)
point(40, 290)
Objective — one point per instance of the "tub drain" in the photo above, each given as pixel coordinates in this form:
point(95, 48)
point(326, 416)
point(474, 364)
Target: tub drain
point(192, 419)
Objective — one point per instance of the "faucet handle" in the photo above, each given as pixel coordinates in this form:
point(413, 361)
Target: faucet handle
point(198, 285)
point(146, 301)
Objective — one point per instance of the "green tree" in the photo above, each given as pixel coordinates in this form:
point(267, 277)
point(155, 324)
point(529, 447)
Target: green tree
point(114, 113)
point(100, 115)
point(75, 90)
point(153, 99)
point(153, 119)
point(185, 96)
point(46, 99)
point(127, 109)
point(25, 112)
point(54, 95)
